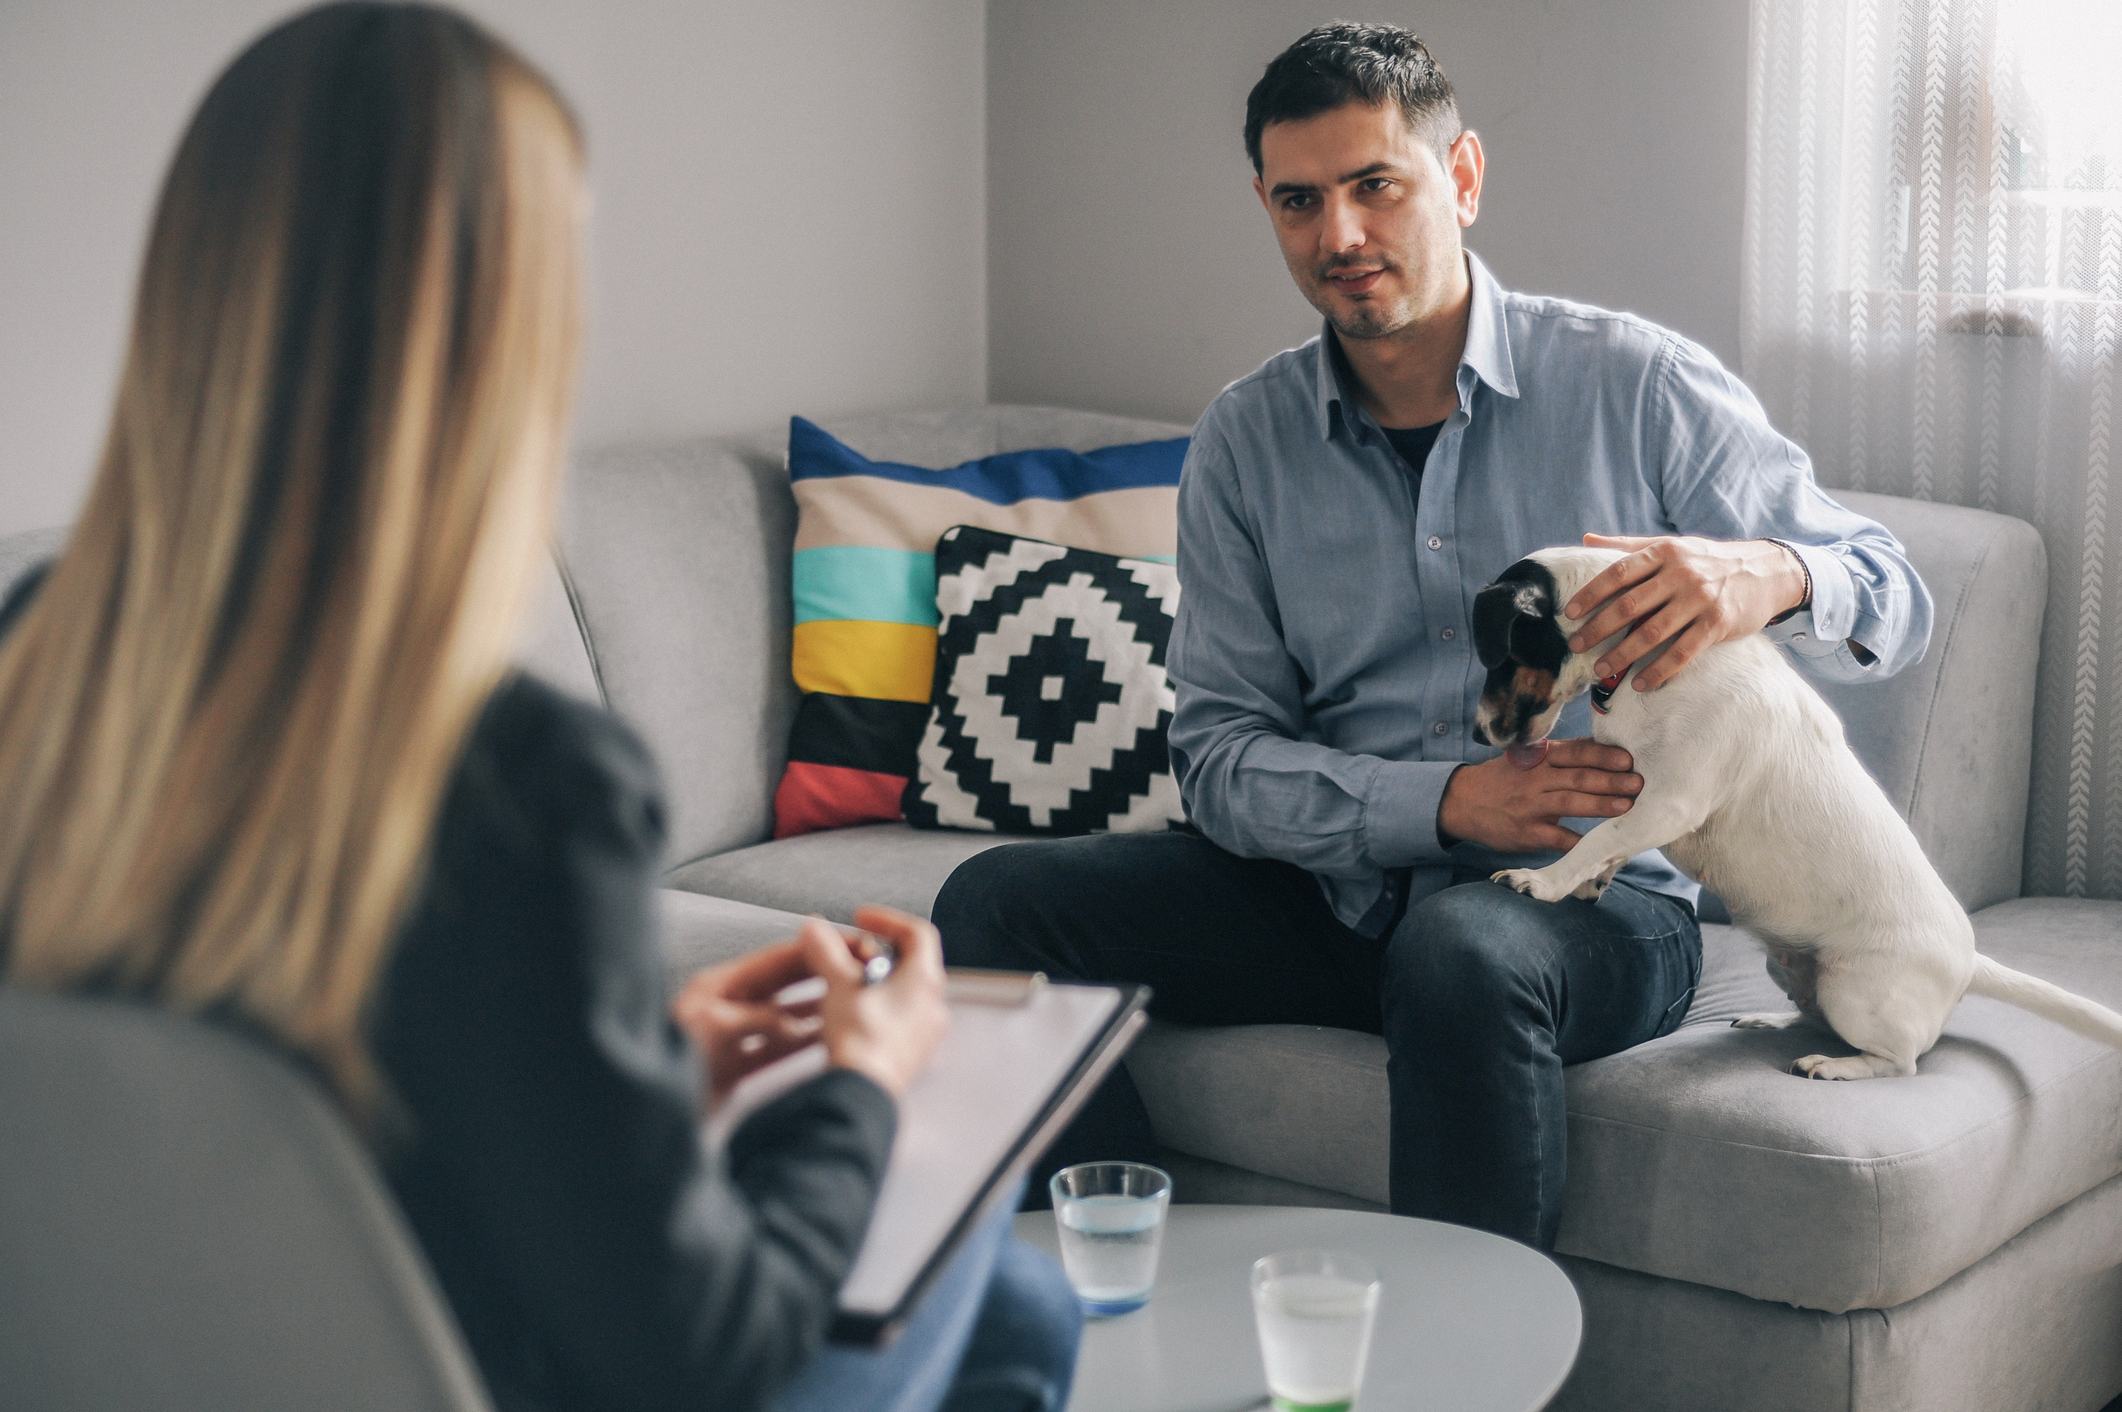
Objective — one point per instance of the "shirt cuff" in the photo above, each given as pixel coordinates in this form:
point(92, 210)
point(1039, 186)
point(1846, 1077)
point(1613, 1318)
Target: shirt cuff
point(1400, 812)
point(1819, 629)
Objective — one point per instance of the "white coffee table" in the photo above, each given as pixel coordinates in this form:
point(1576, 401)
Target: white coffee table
point(1466, 1321)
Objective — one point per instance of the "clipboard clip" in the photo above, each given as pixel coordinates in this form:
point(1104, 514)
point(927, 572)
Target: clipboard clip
point(1008, 989)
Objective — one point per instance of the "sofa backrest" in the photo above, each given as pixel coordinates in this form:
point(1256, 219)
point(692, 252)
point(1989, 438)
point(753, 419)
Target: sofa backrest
point(1951, 738)
point(677, 561)
point(670, 603)
point(185, 1221)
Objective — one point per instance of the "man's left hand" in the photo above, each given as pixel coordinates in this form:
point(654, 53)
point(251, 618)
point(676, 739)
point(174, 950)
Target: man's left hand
point(1693, 593)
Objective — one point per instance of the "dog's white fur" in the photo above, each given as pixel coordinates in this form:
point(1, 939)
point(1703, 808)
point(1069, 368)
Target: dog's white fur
point(1749, 787)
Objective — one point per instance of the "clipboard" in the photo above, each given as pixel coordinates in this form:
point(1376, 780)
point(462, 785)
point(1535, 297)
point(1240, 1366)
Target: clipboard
point(1020, 1058)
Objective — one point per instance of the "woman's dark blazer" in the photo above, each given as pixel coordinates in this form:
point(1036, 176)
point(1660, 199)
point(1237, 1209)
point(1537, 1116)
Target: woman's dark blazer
point(546, 1146)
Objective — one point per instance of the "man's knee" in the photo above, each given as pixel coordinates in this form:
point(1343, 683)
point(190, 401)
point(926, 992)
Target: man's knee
point(982, 905)
point(1470, 943)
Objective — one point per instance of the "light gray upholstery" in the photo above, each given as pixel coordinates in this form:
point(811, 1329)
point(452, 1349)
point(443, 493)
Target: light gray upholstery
point(186, 1223)
point(677, 559)
point(553, 648)
point(2035, 1326)
point(19, 553)
point(834, 872)
point(1859, 1195)
point(1951, 738)
point(706, 931)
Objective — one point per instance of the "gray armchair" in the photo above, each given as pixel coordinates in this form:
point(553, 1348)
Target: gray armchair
point(187, 1223)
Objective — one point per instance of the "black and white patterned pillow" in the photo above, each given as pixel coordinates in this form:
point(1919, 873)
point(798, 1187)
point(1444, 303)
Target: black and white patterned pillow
point(1051, 702)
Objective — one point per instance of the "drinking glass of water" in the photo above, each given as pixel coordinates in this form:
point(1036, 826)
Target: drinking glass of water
point(1314, 1309)
point(1111, 1219)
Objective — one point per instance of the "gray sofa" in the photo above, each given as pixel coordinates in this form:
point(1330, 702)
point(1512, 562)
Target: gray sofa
point(1742, 1239)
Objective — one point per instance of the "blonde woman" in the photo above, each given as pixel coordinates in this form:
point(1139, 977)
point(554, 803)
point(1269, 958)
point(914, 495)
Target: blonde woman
point(264, 761)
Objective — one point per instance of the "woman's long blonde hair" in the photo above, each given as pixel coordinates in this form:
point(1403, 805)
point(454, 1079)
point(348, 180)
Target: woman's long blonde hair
point(228, 718)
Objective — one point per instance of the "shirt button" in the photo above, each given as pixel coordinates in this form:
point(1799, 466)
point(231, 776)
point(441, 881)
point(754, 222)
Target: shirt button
point(1435, 542)
point(1449, 634)
point(1442, 728)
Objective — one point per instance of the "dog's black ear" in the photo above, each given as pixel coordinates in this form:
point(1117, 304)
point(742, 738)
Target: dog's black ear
point(1495, 608)
point(1509, 613)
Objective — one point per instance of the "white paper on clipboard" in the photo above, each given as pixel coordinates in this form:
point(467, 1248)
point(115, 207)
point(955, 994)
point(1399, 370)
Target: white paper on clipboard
point(995, 1072)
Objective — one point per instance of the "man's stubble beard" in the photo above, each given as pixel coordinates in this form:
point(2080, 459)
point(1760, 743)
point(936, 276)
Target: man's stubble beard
point(1360, 321)
point(1366, 322)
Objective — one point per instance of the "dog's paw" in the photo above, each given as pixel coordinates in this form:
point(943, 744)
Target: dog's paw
point(1767, 1020)
point(1533, 882)
point(1591, 890)
point(1851, 1066)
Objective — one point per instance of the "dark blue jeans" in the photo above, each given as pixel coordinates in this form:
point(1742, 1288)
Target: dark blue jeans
point(1482, 994)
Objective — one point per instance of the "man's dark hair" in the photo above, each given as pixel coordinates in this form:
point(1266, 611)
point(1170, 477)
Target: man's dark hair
point(1341, 63)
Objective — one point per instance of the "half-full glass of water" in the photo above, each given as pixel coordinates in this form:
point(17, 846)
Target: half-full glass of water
point(1314, 1309)
point(1111, 1220)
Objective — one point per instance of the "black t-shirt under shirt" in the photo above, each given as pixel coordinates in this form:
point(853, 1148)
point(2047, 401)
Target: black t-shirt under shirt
point(1413, 444)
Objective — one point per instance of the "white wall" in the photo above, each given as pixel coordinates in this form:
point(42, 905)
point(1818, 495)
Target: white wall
point(790, 206)
point(1130, 266)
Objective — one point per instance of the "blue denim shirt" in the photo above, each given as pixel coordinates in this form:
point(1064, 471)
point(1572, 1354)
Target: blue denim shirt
point(1322, 655)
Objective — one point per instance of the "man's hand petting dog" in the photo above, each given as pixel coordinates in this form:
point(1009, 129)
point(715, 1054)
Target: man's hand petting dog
point(1693, 593)
point(1515, 809)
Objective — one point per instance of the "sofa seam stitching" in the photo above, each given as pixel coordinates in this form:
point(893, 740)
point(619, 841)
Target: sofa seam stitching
point(575, 610)
point(1952, 637)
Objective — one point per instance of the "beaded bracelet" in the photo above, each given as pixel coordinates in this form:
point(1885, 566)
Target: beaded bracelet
point(1803, 568)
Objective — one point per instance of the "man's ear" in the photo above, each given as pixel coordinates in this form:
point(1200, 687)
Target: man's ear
point(1260, 190)
point(1468, 164)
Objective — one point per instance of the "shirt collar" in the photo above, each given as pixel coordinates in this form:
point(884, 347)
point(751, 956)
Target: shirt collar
point(1486, 357)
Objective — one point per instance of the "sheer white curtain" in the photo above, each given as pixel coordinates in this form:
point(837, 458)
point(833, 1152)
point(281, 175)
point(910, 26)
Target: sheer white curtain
point(1933, 307)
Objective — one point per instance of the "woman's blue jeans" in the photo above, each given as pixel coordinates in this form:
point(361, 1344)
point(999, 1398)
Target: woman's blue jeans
point(997, 1333)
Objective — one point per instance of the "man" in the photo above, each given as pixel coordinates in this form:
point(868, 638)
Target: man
point(1338, 511)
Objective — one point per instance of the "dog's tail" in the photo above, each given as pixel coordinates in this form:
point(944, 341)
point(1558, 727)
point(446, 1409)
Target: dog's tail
point(2050, 1002)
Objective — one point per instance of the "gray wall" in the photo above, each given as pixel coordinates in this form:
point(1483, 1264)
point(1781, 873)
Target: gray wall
point(767, 239)
point(1130, 266)
point(1027, 200)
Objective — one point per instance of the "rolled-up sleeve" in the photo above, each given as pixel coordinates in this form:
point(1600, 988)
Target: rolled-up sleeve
point(1251, 781)
point(1727, 474)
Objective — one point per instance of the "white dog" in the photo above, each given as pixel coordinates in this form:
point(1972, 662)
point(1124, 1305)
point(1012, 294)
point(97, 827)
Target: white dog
point(1749, 786)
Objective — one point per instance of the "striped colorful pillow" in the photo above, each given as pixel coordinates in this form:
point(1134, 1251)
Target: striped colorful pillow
point(865, 590)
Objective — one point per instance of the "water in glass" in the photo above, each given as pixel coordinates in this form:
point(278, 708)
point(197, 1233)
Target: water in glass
point(1314, 1335)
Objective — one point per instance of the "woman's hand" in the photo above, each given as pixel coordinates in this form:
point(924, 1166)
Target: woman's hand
point(886, 1032)
point(729, 1013)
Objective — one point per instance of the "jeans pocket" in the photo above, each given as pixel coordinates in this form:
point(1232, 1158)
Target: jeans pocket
point(1675, 1013)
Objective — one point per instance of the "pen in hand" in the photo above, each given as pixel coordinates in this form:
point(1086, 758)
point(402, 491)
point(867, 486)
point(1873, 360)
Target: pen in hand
point(798, 997)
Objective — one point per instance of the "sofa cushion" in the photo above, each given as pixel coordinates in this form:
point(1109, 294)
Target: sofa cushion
point(1699, 1158)
point(864, 577)
point(834, 872)
point(677, 560)
point(700, 931)
point(1951, 737)
point(1051, 699)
